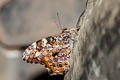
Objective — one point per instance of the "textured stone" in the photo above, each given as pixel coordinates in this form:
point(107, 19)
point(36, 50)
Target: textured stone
point(96, 54)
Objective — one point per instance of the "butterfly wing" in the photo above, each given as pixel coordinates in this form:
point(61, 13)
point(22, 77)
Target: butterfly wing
point(53, 52)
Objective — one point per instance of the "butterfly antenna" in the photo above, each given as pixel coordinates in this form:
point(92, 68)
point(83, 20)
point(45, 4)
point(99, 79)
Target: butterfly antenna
point(59, 21)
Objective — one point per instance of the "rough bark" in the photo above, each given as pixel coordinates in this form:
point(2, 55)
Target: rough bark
point(96, 52)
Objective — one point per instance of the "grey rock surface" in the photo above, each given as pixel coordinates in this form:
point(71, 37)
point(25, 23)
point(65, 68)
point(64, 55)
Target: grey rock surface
point(96, 53)
point(25, 21)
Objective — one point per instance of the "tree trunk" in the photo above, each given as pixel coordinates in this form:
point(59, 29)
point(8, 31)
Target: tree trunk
point(96, 52)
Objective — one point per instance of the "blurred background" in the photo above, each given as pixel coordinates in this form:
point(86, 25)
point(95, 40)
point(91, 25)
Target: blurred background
point(25, 21)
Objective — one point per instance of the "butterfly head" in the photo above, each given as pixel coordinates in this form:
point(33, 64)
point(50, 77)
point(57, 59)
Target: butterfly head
point(72, 31)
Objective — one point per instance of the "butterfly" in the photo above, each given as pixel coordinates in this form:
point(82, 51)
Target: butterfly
point(53, 52)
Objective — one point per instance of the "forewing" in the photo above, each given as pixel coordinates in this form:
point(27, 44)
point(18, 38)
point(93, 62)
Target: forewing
point(31, 54)
point(53, 52)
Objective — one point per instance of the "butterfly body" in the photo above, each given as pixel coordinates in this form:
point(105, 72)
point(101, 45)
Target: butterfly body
point(53, 52)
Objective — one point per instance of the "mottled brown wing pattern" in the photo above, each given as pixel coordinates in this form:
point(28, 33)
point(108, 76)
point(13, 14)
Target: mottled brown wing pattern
point(53, 52)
